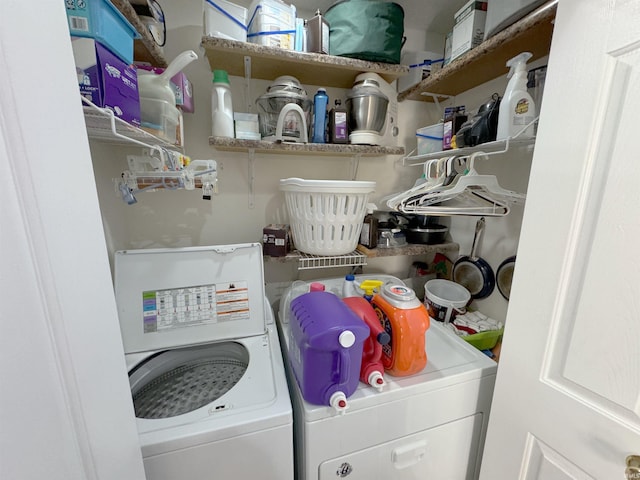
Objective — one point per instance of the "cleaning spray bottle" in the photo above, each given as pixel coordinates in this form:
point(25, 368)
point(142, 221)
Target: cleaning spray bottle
point(517, 108)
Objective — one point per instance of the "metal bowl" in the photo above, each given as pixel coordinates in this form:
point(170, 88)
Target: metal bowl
point(366, 113)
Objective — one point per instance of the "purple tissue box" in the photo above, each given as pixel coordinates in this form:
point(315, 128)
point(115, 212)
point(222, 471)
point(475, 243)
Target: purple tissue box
point(106, 80)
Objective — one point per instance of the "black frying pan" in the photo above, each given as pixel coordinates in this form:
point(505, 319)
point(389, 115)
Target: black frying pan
point(504, 276)
point(473, 272)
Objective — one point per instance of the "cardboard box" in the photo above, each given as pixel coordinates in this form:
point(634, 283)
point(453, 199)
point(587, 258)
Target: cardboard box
point(468, 31)
point(100, 20)
point(106, 80)
point(454, 117)
point(276, 240)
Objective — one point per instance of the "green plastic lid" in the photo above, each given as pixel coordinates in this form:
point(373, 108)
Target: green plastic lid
point(220, 76)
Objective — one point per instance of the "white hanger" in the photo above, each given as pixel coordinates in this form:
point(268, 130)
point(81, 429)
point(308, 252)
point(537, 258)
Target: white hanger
point(432, 181)
point(471, 194)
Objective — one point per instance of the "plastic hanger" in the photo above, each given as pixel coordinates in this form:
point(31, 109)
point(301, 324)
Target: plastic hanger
point(470, 194)
point(436, 172)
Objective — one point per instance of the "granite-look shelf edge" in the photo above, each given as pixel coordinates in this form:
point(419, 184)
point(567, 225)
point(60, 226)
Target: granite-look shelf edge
point(409, 249)
point(487, 61)
point(145, 48)
point(268, 63)
point(328, 149)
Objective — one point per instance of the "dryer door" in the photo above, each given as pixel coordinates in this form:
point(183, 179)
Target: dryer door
point(446, 452)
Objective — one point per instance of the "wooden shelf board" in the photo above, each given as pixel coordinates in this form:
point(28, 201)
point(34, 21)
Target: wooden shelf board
point(268, 63)
point(327, 149)
point(488, 60)
point(145, 49)
point(409, 249)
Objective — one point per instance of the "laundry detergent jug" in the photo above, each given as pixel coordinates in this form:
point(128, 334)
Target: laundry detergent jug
point(325, 348)
point(406, 320)
point(372, 369)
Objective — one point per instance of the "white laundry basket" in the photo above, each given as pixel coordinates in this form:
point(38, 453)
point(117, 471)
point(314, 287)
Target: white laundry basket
point(326, 215)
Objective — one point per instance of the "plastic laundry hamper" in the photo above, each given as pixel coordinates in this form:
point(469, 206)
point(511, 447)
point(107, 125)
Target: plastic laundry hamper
point(326, 215)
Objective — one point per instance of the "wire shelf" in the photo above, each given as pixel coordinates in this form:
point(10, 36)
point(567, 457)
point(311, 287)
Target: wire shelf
point(307, 261)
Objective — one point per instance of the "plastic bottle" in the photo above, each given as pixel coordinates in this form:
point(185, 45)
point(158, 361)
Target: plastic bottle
point(338, 131)
point(349, 287)
point(517, 108)
point(221, 106)
point(369, 232)
point(371, 370)
point(320, 102)
point(406, 320)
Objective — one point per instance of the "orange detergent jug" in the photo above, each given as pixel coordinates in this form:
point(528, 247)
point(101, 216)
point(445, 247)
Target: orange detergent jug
point(406, 320)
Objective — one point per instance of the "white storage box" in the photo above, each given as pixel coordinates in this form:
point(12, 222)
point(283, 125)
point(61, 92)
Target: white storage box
point(430, 138)
point(272, 23)
point(326, 215)
point(225, 20)
point(246, 126)
point(502, 13)
point(419, 64)
point(468, 30)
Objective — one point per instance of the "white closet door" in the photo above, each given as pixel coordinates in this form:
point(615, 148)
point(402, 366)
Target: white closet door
point(65, 404)
point(567, 396)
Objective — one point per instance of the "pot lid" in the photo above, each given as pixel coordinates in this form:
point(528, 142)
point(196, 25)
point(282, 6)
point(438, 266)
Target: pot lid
point(366, 88)
point(286, 86)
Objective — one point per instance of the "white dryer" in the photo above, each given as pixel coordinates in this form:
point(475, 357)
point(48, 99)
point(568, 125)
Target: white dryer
point(428, 425)
point(206, 372)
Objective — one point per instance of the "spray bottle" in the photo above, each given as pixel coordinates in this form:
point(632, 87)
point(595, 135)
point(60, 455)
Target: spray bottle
point(517, 108)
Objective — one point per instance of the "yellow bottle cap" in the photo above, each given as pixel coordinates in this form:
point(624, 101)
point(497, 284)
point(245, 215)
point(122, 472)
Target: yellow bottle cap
point(370, 285)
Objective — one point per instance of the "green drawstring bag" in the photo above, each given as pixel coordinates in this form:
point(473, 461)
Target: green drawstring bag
point(370, 30)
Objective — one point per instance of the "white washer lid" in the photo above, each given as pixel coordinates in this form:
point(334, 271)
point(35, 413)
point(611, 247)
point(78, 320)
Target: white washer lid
point(187, 296)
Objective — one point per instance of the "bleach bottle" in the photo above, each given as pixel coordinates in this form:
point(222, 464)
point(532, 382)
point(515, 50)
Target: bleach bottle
point(221, 106)
point(517, 108)
point(406, 320)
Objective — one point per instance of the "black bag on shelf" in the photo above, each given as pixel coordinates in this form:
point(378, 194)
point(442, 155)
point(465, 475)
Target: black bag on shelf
point(370, 30)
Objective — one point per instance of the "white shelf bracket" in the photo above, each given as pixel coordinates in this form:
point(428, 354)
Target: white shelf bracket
point(354, 163)
point(436, 96)
point(252, 161)
point(247, 82)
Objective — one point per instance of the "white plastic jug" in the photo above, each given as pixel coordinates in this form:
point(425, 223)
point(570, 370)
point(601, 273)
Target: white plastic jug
point(158, 87)
point(221, 105)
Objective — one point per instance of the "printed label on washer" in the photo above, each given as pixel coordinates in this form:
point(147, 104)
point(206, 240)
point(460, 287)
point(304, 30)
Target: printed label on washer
point(165, 310)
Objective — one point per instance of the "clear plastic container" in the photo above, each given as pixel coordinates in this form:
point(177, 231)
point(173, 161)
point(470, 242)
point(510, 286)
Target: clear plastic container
point(160, 118)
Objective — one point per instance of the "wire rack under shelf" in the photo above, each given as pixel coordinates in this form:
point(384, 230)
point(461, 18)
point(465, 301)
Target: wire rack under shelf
point(307, 261)
point(101, 123)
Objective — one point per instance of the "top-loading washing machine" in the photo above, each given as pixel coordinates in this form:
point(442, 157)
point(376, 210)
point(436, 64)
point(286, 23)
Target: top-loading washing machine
point(430, 425)
point(205, 367)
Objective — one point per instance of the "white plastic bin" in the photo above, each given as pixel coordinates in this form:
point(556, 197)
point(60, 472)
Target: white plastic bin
point(224, 19)
point(326, 215)
point(272, 23)
point(430, 138)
